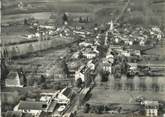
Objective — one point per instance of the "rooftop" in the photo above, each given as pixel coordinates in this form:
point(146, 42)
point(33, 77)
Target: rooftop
point(66, 91)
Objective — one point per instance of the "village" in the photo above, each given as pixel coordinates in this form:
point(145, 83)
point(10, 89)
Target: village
point(82, 69)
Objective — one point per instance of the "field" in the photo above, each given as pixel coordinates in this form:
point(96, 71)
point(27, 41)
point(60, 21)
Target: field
point(107, 115)
point(122, 97)
point(41, 63)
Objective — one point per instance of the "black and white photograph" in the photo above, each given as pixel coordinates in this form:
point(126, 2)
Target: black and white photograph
point(82, 58)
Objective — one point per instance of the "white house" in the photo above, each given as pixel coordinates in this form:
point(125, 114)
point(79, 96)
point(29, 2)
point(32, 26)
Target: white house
point(47, 27)
point(89, 55)
point(13, 80)
point(85, 44)
point(142, 43)
point(126, 53)
point(116, 40)
point(151, 108)
point(30, 36)
point(136, 52)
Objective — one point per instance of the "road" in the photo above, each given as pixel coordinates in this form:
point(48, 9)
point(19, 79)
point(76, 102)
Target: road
point(74, 103)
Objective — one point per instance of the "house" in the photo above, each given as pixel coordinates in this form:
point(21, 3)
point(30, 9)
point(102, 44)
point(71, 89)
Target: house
point(151, 108)
point(64, 96)
point(91, 65)
point(47, 27)
point(142, 43)
point(107, 66)
point(116, 40)
point(73, 67)
point(85, 44)
point(33, 107)
point(133, 66)
point(89, 53)
point(79, 74)
point(13, 80)
point(79, 32)
point(126, 53)
point(75, 55)
point(136, 52)
point(133, 69)
point(110, 58)
point(30, 36)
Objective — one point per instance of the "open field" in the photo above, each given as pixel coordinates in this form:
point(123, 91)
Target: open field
point(21, 17)
point(122, 97)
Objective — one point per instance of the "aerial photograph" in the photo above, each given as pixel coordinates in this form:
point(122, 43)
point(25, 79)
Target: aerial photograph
point(82, 58)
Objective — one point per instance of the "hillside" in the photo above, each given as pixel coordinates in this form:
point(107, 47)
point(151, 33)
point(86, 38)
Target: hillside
point(139, 11)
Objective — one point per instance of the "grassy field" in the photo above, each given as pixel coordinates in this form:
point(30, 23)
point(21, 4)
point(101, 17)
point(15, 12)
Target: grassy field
point(47, 61)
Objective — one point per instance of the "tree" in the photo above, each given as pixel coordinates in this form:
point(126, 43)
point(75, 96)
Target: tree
point(24, 80)
point(14, 52)
point(79, 82)
point(44, 86)
point(65, 18)
point(21, 73)
point(30, 81)
point(25, 22)
point(65, 67)
point(43, 79)
point(86, 108)
point(4, 69)
point(80, 19)
point(87, 20)
point(105, 76)
point(30, 48)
